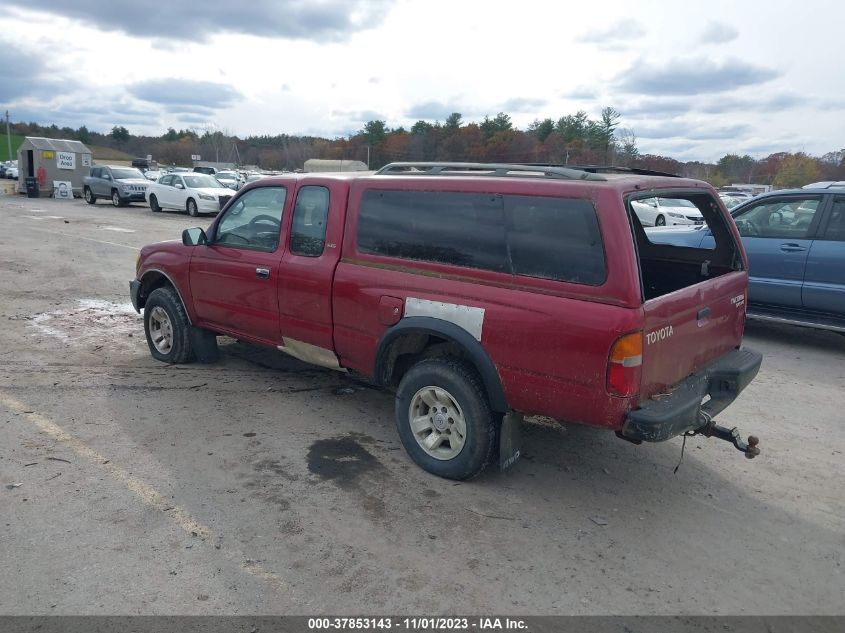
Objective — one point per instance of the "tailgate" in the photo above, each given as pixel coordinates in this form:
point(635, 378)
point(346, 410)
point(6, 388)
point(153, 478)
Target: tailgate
point(690, 328)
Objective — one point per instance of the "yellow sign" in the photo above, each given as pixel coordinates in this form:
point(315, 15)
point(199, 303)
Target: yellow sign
point(48, 154)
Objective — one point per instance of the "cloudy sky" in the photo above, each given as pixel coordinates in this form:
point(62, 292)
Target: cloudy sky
point(694, 80)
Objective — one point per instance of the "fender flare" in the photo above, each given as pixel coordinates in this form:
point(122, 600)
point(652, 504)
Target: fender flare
point(455, 334)
point(172, 283)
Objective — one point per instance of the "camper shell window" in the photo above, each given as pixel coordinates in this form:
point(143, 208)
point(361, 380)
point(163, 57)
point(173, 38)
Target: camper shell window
point(679, 257)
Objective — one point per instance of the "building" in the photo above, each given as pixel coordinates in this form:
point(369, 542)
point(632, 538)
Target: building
point(51, 160)
point(320, 165)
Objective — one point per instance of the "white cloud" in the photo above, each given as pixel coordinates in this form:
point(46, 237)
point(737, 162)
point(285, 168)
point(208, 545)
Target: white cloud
point(408, 60)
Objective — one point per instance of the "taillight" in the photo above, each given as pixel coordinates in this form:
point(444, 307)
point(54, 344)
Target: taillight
point(625, 364)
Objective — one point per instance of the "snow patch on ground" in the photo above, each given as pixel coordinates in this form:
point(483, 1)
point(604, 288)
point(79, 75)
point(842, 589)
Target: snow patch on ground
point(92, 323)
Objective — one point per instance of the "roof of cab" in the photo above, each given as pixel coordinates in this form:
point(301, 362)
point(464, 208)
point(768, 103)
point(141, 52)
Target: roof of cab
point(615, 178)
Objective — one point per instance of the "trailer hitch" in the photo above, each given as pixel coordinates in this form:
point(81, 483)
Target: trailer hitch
point(711, 429)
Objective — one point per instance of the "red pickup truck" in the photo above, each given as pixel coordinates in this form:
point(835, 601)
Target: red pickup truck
point(479, 293)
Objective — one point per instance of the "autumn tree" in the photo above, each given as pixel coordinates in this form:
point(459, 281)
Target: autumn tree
point(797, 170)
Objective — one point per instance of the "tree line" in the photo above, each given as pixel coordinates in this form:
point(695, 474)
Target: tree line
point(573, 139)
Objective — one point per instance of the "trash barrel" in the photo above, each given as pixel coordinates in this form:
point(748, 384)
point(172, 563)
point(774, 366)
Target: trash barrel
point(31, 187)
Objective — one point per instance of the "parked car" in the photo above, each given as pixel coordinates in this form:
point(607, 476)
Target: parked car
point(478, 292)
point(206, 170)
point(153, 174)
point(795, 240)
point(667, 212)
point(253, 177)
point(730, 201)
point(12, 172)
point(230, 179)
point(192, 192)
point(121, 185)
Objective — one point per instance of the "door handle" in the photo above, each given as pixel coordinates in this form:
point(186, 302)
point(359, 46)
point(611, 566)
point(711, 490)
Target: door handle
point(262, 273)
point(792, 248)
point(702, 314)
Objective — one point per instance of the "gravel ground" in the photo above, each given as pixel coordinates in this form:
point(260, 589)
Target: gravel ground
point(262, 485)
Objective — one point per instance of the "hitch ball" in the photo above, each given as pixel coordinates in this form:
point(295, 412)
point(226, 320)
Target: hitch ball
point(751, 451)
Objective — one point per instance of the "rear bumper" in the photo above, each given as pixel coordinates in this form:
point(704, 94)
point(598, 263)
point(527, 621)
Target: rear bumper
point(663, 417)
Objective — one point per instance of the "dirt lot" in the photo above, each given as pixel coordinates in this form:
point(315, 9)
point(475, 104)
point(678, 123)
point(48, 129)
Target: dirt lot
point(261, 485)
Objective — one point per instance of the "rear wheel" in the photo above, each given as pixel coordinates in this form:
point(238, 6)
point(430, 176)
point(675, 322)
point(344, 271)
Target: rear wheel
point(167, 327)
point(90, 198)
point(154, 204)
point(443, 418)
point(192, 208)
point(660, 221)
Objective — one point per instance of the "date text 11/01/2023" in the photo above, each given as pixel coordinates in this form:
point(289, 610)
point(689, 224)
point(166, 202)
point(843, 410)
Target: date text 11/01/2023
point(418, 623)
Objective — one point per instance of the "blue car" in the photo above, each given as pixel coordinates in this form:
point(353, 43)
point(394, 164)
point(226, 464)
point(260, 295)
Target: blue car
point(795, 240)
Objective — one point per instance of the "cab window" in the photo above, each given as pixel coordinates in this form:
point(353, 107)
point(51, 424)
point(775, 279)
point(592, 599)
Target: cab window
point(308, 231)
point(254, 221)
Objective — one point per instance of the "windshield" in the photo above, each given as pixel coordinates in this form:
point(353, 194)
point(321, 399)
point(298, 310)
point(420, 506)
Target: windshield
point(226, 174)
point(200, 181)
point(675, 202)
point(120, 174)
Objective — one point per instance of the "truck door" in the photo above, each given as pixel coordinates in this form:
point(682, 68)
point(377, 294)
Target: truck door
point(307, 271)
point(235, 277)
point(824, 280)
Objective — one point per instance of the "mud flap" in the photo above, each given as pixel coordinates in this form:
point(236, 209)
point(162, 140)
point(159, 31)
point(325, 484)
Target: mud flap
point(204, 344)
point(510, 439)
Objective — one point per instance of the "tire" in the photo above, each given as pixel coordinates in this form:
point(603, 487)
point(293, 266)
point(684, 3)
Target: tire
point(192, 208)
point(154, 204)
point(115, 198)
point(660, 221)
point(90, 198)
point(450, 384)
point(167, 327)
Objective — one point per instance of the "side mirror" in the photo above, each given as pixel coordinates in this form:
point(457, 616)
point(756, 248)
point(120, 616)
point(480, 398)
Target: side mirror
point(179, 185)
point(194, 237)
point(107, 177)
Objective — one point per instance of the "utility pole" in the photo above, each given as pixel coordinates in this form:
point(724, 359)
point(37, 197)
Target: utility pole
point(8, 135)
point(368, 157)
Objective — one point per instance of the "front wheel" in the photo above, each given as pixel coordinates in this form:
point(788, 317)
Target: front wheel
point(154, 204)
point(660, 221)
point(443, 418)
point(192, 208)
point(167, 327)
point(90, 198)
point(115, 198)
